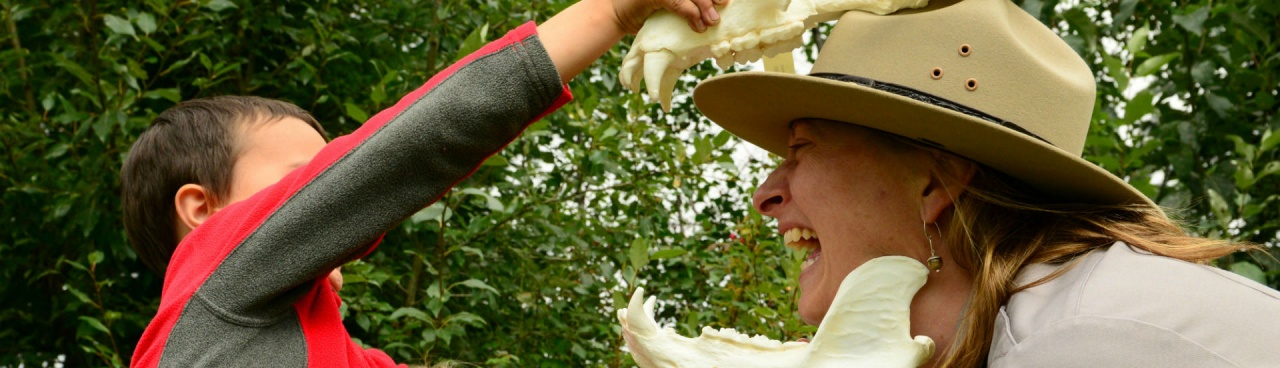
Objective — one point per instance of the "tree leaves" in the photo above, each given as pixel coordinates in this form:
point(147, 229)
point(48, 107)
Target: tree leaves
point(118, 25)
point(477, 284)
point(1193, 21)
point(219, 5)
point(639, 253)
point(1154, 63)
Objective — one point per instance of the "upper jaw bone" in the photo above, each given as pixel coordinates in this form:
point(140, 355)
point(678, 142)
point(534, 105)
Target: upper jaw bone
point(748, 30)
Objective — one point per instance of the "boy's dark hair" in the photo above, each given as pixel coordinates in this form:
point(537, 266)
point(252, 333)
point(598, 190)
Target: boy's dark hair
point(195, 142)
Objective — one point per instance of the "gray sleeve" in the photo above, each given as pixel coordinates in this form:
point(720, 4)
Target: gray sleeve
point(402, 160)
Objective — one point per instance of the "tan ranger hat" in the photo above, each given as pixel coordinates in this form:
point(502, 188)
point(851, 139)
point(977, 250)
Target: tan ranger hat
point(980, 78)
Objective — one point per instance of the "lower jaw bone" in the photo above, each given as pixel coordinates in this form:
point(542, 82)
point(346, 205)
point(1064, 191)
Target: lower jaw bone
point(868, 325)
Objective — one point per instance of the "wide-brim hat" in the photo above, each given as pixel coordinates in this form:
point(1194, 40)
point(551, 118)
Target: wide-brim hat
point(979, 78)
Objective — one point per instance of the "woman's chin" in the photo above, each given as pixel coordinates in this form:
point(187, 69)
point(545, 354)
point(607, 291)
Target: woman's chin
point(811, 311)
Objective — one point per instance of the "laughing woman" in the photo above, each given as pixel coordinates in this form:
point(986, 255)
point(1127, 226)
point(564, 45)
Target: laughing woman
point(953, 135)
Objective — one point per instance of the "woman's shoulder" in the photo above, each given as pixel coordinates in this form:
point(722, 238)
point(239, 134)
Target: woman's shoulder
point(1121, 294)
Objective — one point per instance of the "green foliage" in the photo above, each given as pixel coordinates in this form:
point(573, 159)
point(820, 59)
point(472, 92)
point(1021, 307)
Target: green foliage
point(1187, 111)
point(525, 263)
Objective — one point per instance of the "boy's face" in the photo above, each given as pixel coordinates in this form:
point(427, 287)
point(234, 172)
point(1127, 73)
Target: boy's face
point(268, 152)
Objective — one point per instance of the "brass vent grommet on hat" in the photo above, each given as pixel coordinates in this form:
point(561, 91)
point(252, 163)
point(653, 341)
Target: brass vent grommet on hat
point(971, 84)
point(965, 50)
point(936, 73)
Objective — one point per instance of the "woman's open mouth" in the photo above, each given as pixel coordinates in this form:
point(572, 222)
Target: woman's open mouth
point(803, 239)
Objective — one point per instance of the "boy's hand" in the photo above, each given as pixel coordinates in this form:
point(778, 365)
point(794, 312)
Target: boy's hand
point(699, 13)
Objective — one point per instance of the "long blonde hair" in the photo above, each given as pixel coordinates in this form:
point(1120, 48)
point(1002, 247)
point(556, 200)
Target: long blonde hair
point(999, 225)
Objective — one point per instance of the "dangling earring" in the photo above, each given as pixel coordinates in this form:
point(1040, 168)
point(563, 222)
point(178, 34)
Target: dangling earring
point(934, 262)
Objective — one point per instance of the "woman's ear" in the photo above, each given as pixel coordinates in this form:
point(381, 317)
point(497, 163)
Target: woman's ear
point(194, 205)
point(947, 181)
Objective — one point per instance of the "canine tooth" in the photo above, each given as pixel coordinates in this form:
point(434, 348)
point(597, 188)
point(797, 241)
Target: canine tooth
point(749, 30)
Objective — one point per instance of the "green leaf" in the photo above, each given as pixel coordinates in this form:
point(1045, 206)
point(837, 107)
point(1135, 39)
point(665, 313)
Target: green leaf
point(703, 151)
point(411, 312)
point(1220, 105)
point(472, 251)
point(474, 41)
point(1249, 270)
point(490, 202)
point(764, 312)
point(432, 213)
point(721, 138)
point(1154, 63)
point(1116, 70)
point(57, 151)
point(1204, 73)
point(1141, 105)
point(1269, 140)
point(1193, 22)
point(1219, 207)
point(668, 253)
point(219, 5)
point(434, 290)
point(1243, 176)
point(619, 300)
point(1272, 167)
point(171, 94)
point(495, 160)
point(73, 68)
point(95, 323)
point(639, 253)
point(356, 113)
point(118, 25)
point(95, 257)
point(146, 22)
point(1242, 148)
point(80, 295)
point(465, 318)
point(1138, 40)
point(477, 284)
point(377, 94)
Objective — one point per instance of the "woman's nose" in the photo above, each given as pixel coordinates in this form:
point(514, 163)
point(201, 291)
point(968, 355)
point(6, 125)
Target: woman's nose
point(771, 194)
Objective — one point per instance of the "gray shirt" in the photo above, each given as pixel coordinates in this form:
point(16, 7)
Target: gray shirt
point(1125, 308)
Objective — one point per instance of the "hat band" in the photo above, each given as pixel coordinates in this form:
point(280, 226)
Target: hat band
point(928, 98)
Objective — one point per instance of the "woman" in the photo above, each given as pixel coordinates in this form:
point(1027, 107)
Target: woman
point(953, 135)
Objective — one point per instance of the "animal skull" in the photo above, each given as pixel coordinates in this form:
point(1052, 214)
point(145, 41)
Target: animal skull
point(748, 30)
point(868, 325)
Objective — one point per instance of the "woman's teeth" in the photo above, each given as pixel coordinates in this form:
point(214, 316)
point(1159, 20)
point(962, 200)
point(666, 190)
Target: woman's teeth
point(808, 262)
point(800, 238)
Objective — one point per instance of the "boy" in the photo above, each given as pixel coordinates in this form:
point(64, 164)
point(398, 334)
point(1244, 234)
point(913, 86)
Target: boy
point(247, 212)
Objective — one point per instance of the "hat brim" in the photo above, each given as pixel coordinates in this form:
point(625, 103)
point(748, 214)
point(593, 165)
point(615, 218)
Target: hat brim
point(759, 107)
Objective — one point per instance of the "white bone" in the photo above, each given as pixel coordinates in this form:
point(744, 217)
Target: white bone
point(868, 325)
point(748, 30)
